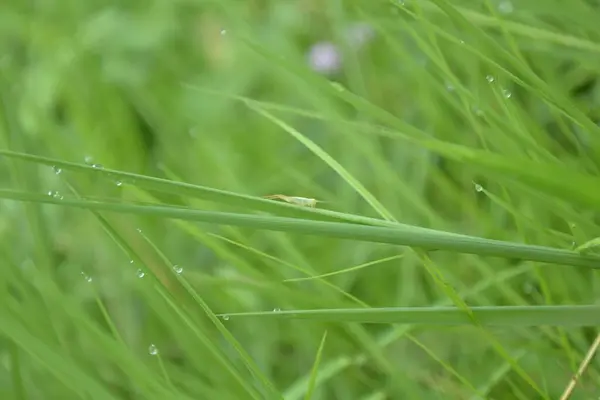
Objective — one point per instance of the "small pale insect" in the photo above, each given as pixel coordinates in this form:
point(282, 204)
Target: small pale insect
point(299, 201)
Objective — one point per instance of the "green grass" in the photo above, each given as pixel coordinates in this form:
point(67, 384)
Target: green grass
point(456, 155)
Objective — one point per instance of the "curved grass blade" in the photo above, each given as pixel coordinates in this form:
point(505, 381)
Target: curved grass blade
point(333, 164)
point(347, 270)
point(554, 179)
point(508, 316)
point(405, 236)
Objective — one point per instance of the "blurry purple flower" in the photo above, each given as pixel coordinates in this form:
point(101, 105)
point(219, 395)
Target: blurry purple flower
point(324, 57)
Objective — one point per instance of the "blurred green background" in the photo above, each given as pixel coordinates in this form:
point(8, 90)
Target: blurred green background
point(231, 95)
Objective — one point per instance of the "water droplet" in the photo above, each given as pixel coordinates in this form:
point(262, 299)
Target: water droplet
point(450, 87)
point(87, 278)
point(139, 230)
point(57, 170)
point(225, 317)
point(462, 42)
point(54, 194)
point(178, 270)
point(223, 31)
point(88, 159)
point(140, 273)
point(97, 166)
point(478, 187)
point(119, 183)
point(506, 93)
point(505, 7)
point(277, 310)
point(152, 350)
point(490, 78)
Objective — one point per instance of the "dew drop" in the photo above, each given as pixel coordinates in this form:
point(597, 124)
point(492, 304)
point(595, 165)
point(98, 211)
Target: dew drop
point(450, 87)
point(490, 78)
point(178, 270)
point(277, 310)
point(57, 170)
point(88, 159)
point(87, 278)
point(505, 7)
point(478, 187)
point(462, 42)
point(54, 194)
point(119, 183)
point(140, 273)
point(225, 317)
point(506, 93)
point(97, 166)
point(223, 31)
point(139, 230)
point(152, 350)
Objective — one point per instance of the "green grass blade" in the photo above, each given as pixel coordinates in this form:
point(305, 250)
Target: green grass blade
point(315, 370)
point(333, 164)
point(398, 236)
point(508, 316)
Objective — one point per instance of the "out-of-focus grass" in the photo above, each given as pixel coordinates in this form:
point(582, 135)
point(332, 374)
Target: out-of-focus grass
point(457, 121)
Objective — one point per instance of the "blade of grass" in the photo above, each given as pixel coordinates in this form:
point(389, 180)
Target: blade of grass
point(315, 369)
point(160, 288)
point(347, 270)
point(336, 366)
point(248, 361)
point(506, 316)
point(200, 192)
point(333, 164)
point(399, 236)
